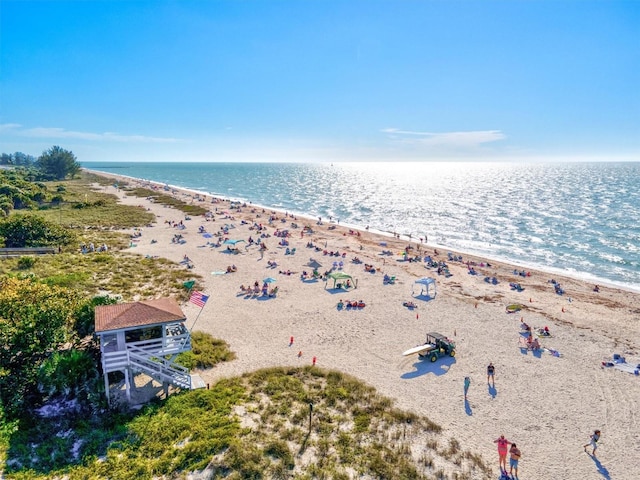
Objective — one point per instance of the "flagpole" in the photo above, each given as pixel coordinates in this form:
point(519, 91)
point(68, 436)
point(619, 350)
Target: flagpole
point(199, 299)
point(197, 317)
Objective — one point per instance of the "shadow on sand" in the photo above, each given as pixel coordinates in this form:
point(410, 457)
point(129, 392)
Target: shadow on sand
point(492, 390)
point(422, 367)
point(602, 470)
point(536, 353)
point(467, 407)
point(423, 297)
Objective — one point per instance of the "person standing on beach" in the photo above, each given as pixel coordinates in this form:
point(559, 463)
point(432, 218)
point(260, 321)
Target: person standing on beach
point(491, 370)
point(467, 384)
point(503, 446)
point(593, 442)
point(513, 460)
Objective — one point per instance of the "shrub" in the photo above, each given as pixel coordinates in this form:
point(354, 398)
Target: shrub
point(206, 352)
point(26, 262)
point(67, 373)
point(33, 231)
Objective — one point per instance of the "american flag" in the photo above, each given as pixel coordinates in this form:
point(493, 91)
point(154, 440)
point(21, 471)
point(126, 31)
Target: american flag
point(198, 298)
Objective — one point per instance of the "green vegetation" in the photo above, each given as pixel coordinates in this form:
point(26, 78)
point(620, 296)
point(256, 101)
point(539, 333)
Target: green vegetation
point(167, 200)
point(206, 352)
point(17, 158)
point(254, 426)
point(125, 274)
point(57, 163)
point(34, 321)
point(92, 212)
point(19, 190)
point(33, 231)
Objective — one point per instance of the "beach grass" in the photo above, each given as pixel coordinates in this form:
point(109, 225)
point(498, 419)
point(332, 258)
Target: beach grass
point(167, 200)
point(98, 218)
point(206, 352)
point(85, 208)
point(118, 273)
point(272, 423)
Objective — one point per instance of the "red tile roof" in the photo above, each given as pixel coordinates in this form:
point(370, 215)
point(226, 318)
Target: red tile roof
point(137, 314)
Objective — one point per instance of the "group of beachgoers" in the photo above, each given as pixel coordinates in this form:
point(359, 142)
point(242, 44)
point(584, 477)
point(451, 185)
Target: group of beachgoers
point(348, 304)
point(256, 291)
point(529, 341)
point(515, 453)
point(84, 248)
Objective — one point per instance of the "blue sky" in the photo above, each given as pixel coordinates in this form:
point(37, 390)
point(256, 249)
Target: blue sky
point(321, 80)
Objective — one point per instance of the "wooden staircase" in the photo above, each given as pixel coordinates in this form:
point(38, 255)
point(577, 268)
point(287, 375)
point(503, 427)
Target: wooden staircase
point(155, 358)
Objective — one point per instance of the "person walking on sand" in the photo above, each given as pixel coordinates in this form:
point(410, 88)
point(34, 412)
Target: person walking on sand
point(513, 460)
point(503, 446)
point(467, 384)
point(491, 370)
point(593, 442)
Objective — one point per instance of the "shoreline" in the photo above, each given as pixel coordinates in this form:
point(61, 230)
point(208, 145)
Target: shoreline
point(585, 277)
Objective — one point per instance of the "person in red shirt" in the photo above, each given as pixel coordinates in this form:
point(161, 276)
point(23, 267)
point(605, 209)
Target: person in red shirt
point(503, 447)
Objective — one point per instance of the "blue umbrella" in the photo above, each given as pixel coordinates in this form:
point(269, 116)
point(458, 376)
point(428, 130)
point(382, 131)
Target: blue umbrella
point(232, 242)
point(269, 280)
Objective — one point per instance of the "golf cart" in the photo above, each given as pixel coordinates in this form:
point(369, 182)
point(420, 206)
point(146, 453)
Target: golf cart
point(437, 346)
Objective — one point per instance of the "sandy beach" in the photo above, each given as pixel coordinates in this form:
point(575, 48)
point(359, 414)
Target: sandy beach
point(548, 401)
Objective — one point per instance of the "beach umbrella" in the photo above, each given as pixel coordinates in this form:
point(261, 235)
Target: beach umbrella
point(269, 280)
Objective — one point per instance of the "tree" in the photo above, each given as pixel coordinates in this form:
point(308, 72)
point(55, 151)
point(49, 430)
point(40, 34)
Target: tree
point(69, 373)
point(21, 231)
point(23, 159)
point(35, 321)
point(84, 317)
point(18, 159)
point(58, 163)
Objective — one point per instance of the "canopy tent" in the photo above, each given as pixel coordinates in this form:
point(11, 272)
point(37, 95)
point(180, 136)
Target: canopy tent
point(425, 284)
point(339, 276)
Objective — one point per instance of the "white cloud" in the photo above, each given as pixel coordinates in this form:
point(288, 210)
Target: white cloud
point(446, 139)
point(56, 132)
point(9, 126)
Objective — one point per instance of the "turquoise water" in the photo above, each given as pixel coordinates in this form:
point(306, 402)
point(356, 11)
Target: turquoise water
point(581, 219)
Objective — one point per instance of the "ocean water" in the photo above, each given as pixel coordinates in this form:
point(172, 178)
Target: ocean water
point(579, 219)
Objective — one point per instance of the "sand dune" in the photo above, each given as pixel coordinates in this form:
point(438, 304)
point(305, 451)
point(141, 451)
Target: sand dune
point(547, 404)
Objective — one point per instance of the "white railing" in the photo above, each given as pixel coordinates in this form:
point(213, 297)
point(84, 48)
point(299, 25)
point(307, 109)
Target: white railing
point(168, 345)
point(160, 367)
point(148, 357)
point(112, 361)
